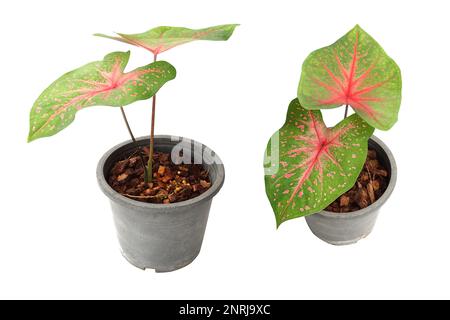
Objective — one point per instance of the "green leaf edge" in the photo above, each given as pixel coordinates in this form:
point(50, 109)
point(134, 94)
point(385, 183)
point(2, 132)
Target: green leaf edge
point(365, 147)
point(356, 27)
point(123, 37)
point(31, 138)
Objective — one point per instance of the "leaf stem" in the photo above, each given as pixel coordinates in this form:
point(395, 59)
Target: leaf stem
point(346, 111)
point(152, 136)
point(127, 124)
point(135, 142)
point(152, 142)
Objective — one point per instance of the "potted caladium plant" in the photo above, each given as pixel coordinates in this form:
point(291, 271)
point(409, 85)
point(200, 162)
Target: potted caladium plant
point(337, 177)
point(160, 187)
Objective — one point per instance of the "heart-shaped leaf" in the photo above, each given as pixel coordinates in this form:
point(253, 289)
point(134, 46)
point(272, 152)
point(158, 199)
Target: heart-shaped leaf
point(97, 83)
point(161, 39)
point(308, 165)
point(353, 71)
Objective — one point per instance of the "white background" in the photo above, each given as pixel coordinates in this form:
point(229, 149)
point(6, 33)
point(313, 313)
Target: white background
point(57, 238)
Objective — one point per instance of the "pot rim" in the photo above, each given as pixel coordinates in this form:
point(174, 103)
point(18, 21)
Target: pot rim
point(117, 197)
point(377, 204)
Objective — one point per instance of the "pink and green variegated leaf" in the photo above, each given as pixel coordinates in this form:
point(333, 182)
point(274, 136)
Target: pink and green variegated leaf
point(353, 71)
point(98, 83)
point(308, 165)
point(161, 39)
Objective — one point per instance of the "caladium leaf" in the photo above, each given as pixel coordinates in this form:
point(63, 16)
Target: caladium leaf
point(315, 164)
point(353, 71)
point(161, 39)
point(97, 83)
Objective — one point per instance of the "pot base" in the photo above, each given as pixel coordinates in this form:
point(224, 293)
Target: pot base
point(159, 270)
point(340, 230)
point(337, 242)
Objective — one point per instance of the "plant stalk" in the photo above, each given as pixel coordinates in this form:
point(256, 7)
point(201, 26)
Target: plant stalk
point(127, 124)
point(152, 137)
point(152, 142)
point(135, 142)
point(346, 111)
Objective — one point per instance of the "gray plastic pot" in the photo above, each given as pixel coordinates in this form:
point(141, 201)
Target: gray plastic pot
point(350, 227)
point(164, 237)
